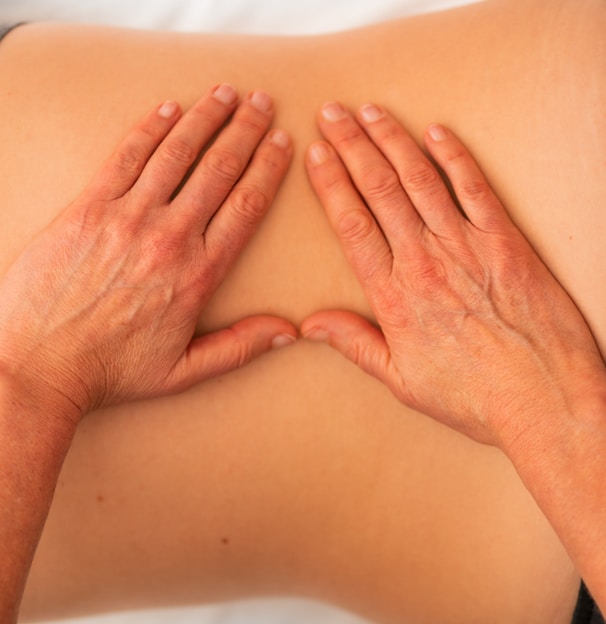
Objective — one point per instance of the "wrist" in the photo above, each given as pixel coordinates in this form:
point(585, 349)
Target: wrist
point(35, 405)
point(574, 404)
point(560, 446)
point(561, 460)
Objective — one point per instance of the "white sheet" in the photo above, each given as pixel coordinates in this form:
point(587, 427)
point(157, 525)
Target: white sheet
point(250, 16)
point(246, 16)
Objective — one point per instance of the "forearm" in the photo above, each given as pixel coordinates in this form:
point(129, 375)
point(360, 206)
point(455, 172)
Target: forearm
point(562, 462)
point(34, 445)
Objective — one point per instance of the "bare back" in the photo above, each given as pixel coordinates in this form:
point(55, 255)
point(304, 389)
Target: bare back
point(299, 474)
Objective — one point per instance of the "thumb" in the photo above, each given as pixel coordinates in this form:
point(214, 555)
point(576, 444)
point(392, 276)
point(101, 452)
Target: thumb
point(355, 337)
point(227, 349)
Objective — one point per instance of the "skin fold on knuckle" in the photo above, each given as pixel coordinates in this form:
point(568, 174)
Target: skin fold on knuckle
point(129, 161)
point(473, 189)
point(426, 280)
point(163, 247)
point(380, 184)
point(271, 161)
point(224, 165)
point(178, 150)
point(249, 204)
point(356, 227)
point(251, 125)
point(421, 179)
point(239, 354)
point(349, 139)
point(208, 113)
point(389, 134)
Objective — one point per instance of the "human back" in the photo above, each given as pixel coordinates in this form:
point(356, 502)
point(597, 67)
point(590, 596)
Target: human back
point(300, 447)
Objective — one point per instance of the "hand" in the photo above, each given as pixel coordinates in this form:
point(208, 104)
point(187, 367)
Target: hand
point(102, 306)
point(475, 331)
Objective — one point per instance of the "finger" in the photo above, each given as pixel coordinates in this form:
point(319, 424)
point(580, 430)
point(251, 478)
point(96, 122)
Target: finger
point(227, 349)
point(418, 176)
point(123, 168)
point(224, 163)
point(178, 152)
point(235, 222)
point(363, 241)
point(476, 197)
point(355, 338)
point(373, 176)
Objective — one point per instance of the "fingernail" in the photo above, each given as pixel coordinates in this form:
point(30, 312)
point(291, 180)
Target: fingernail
point(168, 109)
point(283, 340)
point(371, 113)
point(280, 138)
point(333, 111)
point(437, 132)
point(317, 335)
point(261, 101)
point(318, 153)
point(226, 94)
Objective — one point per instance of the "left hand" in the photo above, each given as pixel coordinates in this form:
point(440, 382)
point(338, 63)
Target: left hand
point(102, 306)
point(474, 329)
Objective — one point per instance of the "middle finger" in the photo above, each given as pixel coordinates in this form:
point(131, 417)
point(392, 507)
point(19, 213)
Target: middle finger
point(225, 161)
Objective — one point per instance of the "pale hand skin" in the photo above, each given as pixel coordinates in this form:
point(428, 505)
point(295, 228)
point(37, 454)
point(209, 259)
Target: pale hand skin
point(473, 328)
point(102, 306)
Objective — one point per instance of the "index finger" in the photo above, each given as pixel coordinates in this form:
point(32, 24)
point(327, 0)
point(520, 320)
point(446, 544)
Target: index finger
point(372, 173)
point(361, 237)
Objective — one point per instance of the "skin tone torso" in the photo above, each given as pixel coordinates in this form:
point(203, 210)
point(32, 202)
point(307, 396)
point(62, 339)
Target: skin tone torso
point(299, 474)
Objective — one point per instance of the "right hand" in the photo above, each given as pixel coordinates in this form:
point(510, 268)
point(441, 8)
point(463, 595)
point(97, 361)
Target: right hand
point(474, 329)
point(102, 306)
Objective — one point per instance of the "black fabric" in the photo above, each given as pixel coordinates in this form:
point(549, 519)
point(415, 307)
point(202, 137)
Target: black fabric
point(586, 610)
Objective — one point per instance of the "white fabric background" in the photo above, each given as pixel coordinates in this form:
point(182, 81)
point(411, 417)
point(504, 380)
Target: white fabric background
point(245, 16)
point(251, 16)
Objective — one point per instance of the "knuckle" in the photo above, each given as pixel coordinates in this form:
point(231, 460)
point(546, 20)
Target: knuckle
point(130, 160)
point(271, 158)
point(421, 178)
point(334, 184)
point(180, 151)
point(349, 137)
point(390, 133)
point(380, 183)
point(242, 355)
point(455, 154)
point(474, 189)
point(251, 125)
point(250, 204)
point(163, 245)
point(224, 164)
point(427, 279)
point(125, 229)
point(355, 226)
